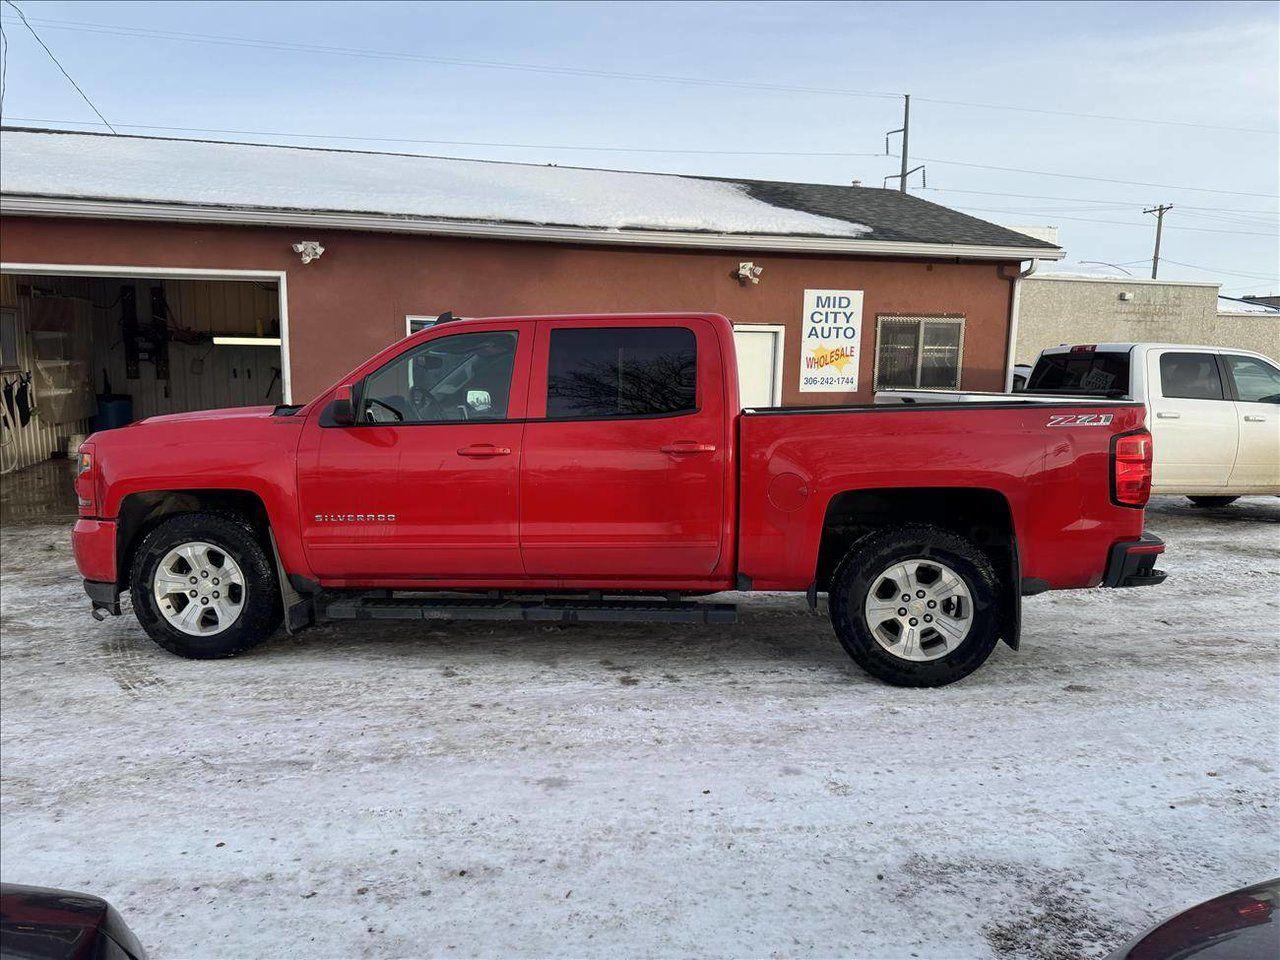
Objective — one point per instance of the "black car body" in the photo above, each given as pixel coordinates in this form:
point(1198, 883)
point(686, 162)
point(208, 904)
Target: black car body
point(1241, 925)
point(37, 923)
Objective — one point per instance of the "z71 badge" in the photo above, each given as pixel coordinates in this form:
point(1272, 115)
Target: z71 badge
point(1080, 420)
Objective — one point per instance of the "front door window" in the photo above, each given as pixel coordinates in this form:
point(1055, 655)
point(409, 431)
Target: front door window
point(459, 378)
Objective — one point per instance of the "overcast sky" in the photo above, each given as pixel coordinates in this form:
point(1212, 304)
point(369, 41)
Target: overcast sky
point(1210, 64)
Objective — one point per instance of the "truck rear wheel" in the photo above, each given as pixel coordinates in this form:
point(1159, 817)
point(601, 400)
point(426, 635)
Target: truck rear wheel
point(203, 587)
point(916, 606)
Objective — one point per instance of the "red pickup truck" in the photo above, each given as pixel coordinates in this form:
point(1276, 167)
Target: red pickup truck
point(580, 468)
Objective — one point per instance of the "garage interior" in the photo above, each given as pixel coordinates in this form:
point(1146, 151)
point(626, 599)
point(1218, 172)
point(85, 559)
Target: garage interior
point(86, 353)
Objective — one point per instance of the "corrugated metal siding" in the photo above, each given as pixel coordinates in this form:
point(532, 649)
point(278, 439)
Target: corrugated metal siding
point(40, 438)
point(221, 306)
point(201, 376)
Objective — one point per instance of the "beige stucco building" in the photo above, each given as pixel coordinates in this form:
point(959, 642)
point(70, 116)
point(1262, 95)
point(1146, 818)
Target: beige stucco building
point(1066, 308)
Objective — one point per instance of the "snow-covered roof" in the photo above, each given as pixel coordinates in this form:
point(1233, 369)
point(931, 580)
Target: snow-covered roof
point(50, 171)
point(1106, 272)
point(1246, 307)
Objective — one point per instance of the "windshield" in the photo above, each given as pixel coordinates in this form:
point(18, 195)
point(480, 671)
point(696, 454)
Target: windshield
point(1100, 372)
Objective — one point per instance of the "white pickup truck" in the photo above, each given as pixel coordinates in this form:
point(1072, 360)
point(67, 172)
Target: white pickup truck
point(1214, 412)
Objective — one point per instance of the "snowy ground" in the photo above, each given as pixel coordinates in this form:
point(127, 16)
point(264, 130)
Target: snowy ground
point(652, 791)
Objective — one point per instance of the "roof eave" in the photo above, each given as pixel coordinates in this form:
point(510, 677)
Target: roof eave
point(43, 206)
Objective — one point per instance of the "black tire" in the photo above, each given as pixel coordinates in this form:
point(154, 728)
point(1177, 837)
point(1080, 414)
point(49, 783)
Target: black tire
point(1209, 503)
point(877, 551)
point(261, 612)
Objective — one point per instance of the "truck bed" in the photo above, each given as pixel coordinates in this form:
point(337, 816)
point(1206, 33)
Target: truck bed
point(1048, 463)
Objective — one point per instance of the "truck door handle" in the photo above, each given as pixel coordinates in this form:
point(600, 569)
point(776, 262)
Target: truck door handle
point(1166, 415)
point(482, 450)
point(689, 446)
point(1254, 418)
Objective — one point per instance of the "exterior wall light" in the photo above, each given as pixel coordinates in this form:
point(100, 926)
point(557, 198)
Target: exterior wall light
point(308, 250)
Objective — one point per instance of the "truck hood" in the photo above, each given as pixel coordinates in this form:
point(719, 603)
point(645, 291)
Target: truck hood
point(226, 413)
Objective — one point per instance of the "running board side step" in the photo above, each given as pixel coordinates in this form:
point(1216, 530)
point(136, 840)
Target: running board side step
point(539, 611)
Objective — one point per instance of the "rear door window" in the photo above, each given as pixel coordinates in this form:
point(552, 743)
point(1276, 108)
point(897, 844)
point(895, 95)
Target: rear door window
point(1190, 376)
point(1103, 372)
point(596, 372)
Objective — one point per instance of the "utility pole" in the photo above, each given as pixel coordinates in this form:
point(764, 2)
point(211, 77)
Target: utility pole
point(906, 136)
point(905, 130)
point(1159, 210)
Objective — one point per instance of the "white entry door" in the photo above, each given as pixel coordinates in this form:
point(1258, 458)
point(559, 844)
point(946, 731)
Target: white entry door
point(759, 349)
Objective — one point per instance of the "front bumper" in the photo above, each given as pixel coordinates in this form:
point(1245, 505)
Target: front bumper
point(1132, 563)
point(93, 542)
point(103, 596)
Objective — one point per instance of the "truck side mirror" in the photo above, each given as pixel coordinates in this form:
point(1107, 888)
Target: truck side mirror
point(341, 411)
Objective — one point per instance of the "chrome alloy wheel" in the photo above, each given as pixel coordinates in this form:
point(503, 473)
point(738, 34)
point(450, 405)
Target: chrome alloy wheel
point(919, 609)
point(199, 589)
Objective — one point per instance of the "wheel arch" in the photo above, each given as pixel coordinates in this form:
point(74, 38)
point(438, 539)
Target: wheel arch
point(141, 512)
point(982, 515)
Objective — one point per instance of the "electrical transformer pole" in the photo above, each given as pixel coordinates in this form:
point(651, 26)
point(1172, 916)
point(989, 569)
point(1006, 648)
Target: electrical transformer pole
point(1159, 210)
point(905, 130)
point(906, 133)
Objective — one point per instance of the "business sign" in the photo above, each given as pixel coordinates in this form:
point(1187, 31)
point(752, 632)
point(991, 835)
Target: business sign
point(830, 341)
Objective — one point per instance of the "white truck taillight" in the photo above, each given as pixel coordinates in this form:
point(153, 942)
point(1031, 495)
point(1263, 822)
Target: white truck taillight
point(1131, 469)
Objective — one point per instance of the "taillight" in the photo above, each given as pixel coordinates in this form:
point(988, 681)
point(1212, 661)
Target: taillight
point(86, 481)
point(1131, 469)
point(1257, 910)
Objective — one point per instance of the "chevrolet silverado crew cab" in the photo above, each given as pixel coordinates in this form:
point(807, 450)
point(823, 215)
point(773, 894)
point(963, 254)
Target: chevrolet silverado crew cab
point(580, 468)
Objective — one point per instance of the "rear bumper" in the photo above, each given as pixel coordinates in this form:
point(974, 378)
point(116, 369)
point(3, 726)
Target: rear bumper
point(1132, 563)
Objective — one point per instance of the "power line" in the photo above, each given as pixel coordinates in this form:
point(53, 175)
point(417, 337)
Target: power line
point(4, 66)
point(466, 143)
point(1039, 196)
point(1078, 176)
point(1233, 273)
point(59, 65)
point(652, 150)
point(1092, 116)
point(1235, 220)
point(1123, 223)
point(364, 53)
point(144, 33)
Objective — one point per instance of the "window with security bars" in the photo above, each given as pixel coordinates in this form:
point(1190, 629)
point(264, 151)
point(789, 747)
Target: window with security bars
point(918, 352)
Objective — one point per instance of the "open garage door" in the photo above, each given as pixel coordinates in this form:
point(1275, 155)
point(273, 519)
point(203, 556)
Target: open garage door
point(91, 350)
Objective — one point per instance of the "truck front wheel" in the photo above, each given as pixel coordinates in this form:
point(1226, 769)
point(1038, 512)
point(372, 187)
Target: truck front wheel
point(916, 606)
point(203, 587)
